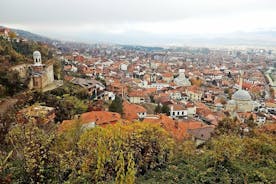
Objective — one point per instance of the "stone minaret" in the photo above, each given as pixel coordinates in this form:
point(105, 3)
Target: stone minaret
point(241, 78)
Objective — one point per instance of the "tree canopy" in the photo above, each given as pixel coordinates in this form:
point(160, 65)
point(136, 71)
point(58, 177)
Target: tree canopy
point(135, 153)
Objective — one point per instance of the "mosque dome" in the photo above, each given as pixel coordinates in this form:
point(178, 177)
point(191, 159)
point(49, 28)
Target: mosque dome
point(241, 95)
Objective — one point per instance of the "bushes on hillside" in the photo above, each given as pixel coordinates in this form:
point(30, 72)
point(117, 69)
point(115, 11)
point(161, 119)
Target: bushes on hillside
point(115, 153)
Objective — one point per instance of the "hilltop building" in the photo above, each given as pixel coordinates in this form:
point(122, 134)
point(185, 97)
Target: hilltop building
point(41, 74)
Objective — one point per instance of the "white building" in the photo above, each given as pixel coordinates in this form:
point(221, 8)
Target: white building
point(158, 86)
point(178, 111)
point(181, 80)
point(123, 67)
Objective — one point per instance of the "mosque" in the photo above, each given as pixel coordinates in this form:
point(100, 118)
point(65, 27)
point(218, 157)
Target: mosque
point(241, 100)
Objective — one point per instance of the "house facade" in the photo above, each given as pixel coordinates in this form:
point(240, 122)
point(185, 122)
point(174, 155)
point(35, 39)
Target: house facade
point(178, 111)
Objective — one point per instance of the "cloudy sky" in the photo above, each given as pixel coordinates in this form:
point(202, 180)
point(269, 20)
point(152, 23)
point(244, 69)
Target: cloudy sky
point(134, 21)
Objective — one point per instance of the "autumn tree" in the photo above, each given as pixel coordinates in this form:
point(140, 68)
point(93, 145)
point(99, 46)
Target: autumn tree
point(33, 160)
point(228, 126)
point(5, 176)
point(196, 81)
point(12, 82)
point(132, 149)
point(12, 35)
point(224, 159)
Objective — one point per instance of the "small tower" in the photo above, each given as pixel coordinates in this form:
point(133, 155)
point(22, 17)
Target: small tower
point(153, 76)
point(37, 67)
point(37, 58)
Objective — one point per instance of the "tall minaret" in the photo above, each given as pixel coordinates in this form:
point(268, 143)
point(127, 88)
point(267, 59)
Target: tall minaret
point(241, 79)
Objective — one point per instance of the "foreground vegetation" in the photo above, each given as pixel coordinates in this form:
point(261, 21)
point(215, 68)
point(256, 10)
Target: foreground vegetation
point(133, 153)
point(112, 154)
point(225, 159)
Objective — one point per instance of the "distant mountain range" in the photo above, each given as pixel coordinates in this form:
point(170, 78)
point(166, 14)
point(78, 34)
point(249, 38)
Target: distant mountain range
point(32, 36)
point(62, 45)
point(255, 39)
point(239, 39)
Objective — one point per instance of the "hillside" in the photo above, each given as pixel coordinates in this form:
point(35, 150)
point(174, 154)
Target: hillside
point(18, 52)
point(31, 36)
point(15, 51)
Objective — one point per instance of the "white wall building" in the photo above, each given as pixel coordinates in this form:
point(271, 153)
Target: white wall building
point(178, 111)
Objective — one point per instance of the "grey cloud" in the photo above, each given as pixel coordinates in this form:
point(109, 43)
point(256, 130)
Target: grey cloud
point(135, 20)
point(95, 11)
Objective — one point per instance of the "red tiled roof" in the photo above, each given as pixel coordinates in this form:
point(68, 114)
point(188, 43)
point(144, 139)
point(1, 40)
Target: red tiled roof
point(194, 89)
point(138, 93)
point(269, 127)
point(178, 129)
point(131, 110)
point(177, 107)
point(167, 75)
point(99, 117)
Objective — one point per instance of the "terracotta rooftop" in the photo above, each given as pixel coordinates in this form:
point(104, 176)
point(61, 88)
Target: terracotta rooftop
point(167, 75)
point(203, 133)
point(138, 93)
point(98, 117)
point(269, 128)
point(178, 129)
point(131, 110)
point(177, 107)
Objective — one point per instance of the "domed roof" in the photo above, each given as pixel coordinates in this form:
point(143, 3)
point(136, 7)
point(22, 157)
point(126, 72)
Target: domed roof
point(36, 54)
point(241, 95)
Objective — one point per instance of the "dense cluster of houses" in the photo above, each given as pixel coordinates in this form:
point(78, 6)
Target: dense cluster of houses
point(198, 89)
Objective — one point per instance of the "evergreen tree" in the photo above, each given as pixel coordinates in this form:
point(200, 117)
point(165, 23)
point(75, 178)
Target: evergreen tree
point(158, 109)
point(165, 109)
point(116, 105)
